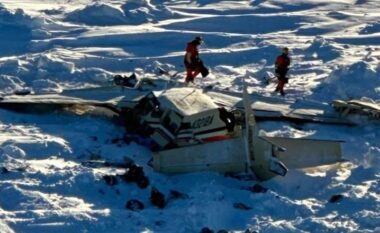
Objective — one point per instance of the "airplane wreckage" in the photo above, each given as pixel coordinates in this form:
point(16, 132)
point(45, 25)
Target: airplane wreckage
point(194, 129)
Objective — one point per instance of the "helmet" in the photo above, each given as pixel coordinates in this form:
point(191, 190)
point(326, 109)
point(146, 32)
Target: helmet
point(198, 39)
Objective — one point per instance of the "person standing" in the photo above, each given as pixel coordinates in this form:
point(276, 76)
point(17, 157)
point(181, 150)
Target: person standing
point(282, 66)
point(193, 63)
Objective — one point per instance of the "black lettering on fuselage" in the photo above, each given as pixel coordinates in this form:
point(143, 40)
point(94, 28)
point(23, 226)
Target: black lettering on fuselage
point(202, 122)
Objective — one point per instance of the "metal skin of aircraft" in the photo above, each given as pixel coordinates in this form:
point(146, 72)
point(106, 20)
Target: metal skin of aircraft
point(190, 131)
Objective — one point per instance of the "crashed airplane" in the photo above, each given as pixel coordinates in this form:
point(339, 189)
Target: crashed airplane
point(196, 130)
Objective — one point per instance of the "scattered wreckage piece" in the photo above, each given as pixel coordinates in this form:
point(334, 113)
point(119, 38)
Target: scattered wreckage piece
point(190, 132)
point(220, 156)
point(368, 108)
point(281, 109)
point(110, 97)
point(242, 150)
point(183, 116)
point(272, 156)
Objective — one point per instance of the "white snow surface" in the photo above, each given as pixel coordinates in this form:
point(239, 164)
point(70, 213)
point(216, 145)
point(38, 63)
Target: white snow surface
point(55, 45)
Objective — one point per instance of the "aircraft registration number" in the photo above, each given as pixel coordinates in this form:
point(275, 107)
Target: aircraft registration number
point(202, 122)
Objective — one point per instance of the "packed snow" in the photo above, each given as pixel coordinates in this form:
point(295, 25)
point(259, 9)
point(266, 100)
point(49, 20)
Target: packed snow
point(47, 46)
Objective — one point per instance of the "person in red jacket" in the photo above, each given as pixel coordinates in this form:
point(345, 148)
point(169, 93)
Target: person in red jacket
point(193, 63)
point(282, 66)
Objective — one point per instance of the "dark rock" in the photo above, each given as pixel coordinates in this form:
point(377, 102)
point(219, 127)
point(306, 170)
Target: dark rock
point(241, 206)
point(134, 205)
point(110, 180)
point(143, 182)
point(206, 230)
point(101, 191)
point(209, 87)
point(3, 170)
point(250, 231)
point(157, 198)
point(133, 174)
point(222, 231)
point(159, 223)
point(336, 198)
point(258, 189)
point(244, 177)
point(177, 195)
point(128, 162)
point(116, 140)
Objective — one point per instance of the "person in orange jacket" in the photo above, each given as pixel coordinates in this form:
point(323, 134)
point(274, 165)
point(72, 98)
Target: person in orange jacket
point(282, 66)
point(193, 63)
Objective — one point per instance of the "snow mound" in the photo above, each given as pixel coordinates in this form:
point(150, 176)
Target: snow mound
point(12, 67)
point(10, 83)
point(17, 18)
point(372, 157)
point(15, 31)
point(131, 12)
point(352, 82)
point(144, 11)
point(48, 65)
point(13, 151)
point(4, 228)
point(322, 49)
point(45, 86)
point(338, 15)
point(206, 2)
point(371, 28)
point(272, 6)
point(98, 14)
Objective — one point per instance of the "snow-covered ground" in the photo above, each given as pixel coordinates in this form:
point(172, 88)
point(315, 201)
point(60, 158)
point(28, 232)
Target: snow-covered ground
point(52, 45)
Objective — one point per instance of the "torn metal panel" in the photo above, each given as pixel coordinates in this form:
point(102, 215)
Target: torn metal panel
point(219, 156)
point(263, 152)
point(304, 153)
point(186, 101)
point(371, 109)
point(280, 109)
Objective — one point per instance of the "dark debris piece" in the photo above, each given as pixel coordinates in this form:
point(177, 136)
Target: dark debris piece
point(222, 231)
point(157, 198)
point(250, 231)
point(206, 230)
point(258, 189)
point(133, 174)
point(241, 206)
point(159, 223)
point(244, 177)
point(3, 170)
point(336, 198)
point(101, 191)
point(134, 205)
point(177, 195)
point(143, 182)
point(110, 180)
